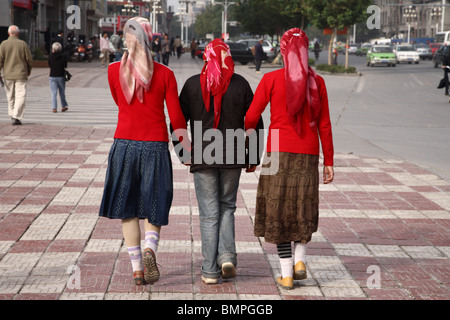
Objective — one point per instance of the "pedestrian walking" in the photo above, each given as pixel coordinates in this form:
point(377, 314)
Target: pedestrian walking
point(58, 64)
point(287, 203)
point(259, 55)
point(117, 42)
point(216, 100)
point(104, 49)
point(177, 45)
point(193, 48)
point(16, 62)
point(139, 180)
point(165, 50)
point(156, 48)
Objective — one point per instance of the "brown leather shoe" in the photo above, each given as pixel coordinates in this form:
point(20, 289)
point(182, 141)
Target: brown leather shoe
point(64, 109)
point(54, 110)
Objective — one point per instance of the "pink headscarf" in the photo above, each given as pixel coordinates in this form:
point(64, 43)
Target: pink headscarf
point(301, 85)
point(136, 68)
point(216, 75)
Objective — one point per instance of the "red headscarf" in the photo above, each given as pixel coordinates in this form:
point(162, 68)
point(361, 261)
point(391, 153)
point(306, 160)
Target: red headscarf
point(136, 68)
point(301, 85)
point(216, 75)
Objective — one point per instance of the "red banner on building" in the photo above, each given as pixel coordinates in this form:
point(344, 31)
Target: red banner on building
point(23, 4)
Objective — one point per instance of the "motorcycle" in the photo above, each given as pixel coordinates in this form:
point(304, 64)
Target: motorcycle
point(83, 51)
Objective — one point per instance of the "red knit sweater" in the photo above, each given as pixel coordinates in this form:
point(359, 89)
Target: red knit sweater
point(272, 88)
point(147, 121)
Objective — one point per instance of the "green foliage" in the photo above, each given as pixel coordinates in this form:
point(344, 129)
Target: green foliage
point(335, 68)
point(270, 16)
point(210, 21)
point(38, 54)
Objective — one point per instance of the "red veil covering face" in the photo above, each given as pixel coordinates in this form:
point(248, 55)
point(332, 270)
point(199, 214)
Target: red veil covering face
point(136, 68)
point(216, 75)
point(301, 86)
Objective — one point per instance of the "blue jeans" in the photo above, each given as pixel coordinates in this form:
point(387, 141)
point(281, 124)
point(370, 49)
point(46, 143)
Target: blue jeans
point(58, 84)
point(216, 191)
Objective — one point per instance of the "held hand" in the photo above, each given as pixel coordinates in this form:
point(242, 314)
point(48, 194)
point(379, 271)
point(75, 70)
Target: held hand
point(328, 174)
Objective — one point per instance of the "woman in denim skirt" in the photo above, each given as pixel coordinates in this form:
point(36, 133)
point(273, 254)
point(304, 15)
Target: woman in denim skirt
point(138, 182)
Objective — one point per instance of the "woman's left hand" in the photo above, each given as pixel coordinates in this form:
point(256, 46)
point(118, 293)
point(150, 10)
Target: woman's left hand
point(328, 174)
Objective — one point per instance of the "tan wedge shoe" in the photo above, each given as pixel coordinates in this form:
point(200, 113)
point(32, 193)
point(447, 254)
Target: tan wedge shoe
point(300, 271)
point(286, 283)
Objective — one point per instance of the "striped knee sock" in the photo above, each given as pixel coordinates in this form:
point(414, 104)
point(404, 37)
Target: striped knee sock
point(151, 240)
point(136, 258)
point(285, 254)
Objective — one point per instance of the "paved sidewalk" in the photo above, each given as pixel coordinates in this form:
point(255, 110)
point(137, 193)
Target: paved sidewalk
point(379, 218)
point(383, 231)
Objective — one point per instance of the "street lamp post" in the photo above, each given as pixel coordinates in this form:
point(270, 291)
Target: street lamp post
point(225, 5)
point(186, 2)
point(409, 14)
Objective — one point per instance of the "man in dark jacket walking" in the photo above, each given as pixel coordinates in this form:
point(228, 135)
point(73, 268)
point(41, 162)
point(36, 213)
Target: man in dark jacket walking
point(215, 102)
point(259, 55)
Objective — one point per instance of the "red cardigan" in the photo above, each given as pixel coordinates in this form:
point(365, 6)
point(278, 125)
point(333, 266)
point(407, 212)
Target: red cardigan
point(147, 121)
point(272, 88)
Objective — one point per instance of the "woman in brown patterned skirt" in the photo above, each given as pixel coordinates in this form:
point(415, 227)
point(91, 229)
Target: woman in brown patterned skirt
point(287, 206)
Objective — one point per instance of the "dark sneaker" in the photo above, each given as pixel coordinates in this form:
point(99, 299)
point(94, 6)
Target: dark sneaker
point(16, 122)
point(151, 272)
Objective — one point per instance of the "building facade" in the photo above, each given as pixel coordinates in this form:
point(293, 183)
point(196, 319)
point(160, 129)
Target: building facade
point(40, 19)
point(419, 19)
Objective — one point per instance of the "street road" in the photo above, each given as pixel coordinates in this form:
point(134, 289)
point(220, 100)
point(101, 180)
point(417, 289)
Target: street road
point(388, 113)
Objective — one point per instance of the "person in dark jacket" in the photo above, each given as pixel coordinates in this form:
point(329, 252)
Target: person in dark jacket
point(259, 55)
point(445, 67)
point(58, 64)
point(215, 102)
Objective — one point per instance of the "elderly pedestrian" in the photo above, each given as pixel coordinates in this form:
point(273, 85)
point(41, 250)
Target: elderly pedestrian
point(16, 62)
point(287, 203)
point(216, 100)
point(139, 181)
point(58, 64)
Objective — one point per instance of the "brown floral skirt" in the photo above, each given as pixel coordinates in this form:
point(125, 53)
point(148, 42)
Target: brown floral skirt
point(287, 201)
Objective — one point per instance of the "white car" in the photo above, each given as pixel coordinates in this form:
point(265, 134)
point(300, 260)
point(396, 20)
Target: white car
point(352, 48)
point(268, 48)
point(406, 53)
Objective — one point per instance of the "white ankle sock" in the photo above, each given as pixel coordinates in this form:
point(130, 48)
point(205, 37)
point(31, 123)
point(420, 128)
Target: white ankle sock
point(136, 258)
point(286, 267)
point(151, 240)
point(299, 252)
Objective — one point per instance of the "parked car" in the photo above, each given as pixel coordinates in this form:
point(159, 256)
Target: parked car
point(439, 55)
point(268, 48)
point(381, 54)
point(424, 51)
point(239, 52)
point(363, 50)
point(406, 53)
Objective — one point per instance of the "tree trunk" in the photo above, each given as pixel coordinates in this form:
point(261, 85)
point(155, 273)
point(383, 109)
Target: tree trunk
point(346, 49)
point(330, 47)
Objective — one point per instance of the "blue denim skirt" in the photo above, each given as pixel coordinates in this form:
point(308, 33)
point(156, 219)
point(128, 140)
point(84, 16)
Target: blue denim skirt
point(139, 182)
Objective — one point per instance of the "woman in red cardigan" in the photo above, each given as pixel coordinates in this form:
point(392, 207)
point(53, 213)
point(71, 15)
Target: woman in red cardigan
point(138, 182)
point(287, 206)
